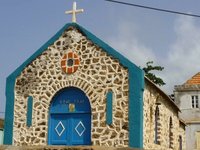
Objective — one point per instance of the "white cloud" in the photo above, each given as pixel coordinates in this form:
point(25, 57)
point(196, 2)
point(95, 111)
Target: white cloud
point(182, 60)
point(127, 43)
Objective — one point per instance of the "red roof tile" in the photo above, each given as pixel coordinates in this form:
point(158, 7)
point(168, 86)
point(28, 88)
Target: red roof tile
point(194, 80)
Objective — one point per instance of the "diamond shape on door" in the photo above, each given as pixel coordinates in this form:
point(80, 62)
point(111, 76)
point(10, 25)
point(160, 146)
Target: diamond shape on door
point(80, 128)
point(60, 128)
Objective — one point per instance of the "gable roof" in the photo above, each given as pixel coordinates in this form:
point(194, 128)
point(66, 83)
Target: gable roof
point(195, 80)
point(163, 94)
point(136, 88)
point(123, 60)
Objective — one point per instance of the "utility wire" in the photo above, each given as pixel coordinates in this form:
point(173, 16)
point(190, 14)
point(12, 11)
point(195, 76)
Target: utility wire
point(2, 112)
point(153, 8)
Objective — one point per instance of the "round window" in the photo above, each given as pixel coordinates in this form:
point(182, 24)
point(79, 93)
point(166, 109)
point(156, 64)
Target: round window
point(70, 62)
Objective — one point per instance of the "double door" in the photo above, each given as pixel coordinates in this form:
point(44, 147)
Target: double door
point(70, 129)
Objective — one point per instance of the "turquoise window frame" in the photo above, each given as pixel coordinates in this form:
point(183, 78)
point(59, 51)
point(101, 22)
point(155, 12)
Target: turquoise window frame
point(109, 107)
point(29, 111)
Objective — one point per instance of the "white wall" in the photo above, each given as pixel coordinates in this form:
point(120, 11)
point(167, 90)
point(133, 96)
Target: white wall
point(191, 136)
point(184, 101)
point(1, 137)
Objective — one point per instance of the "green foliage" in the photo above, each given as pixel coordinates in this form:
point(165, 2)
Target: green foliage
point(149, 67)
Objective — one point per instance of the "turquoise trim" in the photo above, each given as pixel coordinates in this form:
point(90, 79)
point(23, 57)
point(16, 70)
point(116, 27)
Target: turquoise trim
point(9, 112)
point(136, 85)
point(136, 88)
point(109, 108)
point(29, 111)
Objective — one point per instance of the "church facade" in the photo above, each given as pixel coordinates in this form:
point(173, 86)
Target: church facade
point(77, 90)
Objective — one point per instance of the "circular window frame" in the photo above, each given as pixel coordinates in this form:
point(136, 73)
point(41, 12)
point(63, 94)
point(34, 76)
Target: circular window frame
point(70, 62)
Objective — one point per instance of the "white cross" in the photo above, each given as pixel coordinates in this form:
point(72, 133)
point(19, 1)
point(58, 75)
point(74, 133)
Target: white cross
point(74, 11)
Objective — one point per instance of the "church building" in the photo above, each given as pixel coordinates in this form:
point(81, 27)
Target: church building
point(77, 90)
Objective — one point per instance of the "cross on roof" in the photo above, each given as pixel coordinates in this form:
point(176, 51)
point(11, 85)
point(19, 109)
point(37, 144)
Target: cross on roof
point(74, 11)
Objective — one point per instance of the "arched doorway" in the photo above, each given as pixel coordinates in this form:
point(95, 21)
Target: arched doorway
point(70, 118)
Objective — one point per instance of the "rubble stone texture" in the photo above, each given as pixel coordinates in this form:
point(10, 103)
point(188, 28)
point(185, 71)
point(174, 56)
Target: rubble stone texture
point(97, 74)
point(153, 98)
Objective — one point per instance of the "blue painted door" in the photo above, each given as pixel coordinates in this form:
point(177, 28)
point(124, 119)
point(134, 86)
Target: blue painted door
point(81, 129)
point(59, 130)
point(70, 118)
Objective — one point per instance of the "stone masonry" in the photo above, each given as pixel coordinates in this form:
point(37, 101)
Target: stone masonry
point(97, 74)
point(154, 97)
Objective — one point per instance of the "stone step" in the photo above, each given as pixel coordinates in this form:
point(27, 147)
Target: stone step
point(7, 147)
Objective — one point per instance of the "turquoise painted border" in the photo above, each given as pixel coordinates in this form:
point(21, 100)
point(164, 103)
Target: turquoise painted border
point(136, 88)
point(136, 85)
point(9, 112)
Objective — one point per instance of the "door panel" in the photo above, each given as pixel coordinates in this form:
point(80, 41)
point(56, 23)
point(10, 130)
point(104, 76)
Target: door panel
point(71, 129)
point(59, 129)
point(81, 130)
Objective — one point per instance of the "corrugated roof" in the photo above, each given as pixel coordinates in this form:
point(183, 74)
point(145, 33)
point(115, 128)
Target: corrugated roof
point(194, 80)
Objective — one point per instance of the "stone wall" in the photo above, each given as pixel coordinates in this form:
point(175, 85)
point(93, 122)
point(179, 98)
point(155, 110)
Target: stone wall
point(154, 97)
point(96, 75)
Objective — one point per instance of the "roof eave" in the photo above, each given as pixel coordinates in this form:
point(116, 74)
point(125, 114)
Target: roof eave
point(163, 93)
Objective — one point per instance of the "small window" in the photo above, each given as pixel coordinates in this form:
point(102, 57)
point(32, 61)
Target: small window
point(195, 101)
point(157, 126)
point(29, 111)
point(192, 101)
point(180, 143)
point(109, 107)
point(170, 133)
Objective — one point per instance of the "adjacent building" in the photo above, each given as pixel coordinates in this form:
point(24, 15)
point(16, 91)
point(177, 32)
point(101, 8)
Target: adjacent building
point(1, 130)
point(187, 97)
point(162, 127)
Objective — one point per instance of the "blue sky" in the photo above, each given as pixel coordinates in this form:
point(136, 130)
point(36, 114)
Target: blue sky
point(170, 40)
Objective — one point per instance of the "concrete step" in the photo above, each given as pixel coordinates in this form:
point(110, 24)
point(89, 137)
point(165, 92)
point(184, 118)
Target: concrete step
point(6, 147)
